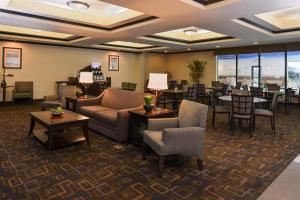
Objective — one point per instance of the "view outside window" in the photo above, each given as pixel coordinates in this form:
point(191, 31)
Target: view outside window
point(246, 64)
point(227, 69)
point(293, 69)
point(273, 68)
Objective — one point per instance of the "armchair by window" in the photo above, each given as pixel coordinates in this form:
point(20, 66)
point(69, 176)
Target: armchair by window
point(23, 90)
point(184, 135)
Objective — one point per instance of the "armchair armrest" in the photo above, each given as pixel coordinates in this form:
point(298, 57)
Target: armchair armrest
point(89, 102)
point(160, 124)
point(187, 141)
point(51, 98)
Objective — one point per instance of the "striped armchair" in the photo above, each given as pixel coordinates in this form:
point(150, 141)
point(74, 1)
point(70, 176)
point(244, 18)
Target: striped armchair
point(183, 135)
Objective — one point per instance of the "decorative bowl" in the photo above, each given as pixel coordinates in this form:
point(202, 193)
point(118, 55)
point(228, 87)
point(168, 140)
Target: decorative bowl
point(56, 114)
point(148, 108)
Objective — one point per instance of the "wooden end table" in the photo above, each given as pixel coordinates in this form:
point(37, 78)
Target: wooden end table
point(55, 126)
point(73, 101)
point(138, 122)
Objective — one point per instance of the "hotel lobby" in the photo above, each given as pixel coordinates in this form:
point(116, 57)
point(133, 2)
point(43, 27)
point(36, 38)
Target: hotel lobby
point(140, 99)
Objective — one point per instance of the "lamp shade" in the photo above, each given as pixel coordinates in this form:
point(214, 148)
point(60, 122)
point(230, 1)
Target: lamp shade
point(86, 77)
point(158, 81)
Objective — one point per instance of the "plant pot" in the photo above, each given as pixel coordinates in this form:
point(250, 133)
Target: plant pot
point(148, 108)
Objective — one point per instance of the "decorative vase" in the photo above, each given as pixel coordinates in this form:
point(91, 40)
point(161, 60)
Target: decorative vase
point(148, 108)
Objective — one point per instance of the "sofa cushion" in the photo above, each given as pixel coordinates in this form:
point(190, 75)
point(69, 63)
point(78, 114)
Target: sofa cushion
point(22, 95)
point(91, 110)
point(121, 99)
point(107, 116)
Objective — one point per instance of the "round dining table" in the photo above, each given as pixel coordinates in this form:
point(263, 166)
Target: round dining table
point(255, 99)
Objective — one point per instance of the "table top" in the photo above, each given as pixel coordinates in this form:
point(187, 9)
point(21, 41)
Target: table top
point(67, 117)
point(174, 91)
point(154, 113)
point(255, 100)
point(74, 98)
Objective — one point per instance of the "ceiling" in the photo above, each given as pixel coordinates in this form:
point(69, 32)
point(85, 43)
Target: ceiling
point(152, 25)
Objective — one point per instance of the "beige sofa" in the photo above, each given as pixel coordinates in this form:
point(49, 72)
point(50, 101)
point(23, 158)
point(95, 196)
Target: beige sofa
point(109, 112)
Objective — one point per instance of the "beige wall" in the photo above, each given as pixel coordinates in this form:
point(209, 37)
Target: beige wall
point(177, 65)
point(46, 64)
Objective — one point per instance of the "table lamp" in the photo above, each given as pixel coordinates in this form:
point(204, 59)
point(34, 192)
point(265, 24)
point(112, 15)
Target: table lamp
point(86, 78)
point(158, 83)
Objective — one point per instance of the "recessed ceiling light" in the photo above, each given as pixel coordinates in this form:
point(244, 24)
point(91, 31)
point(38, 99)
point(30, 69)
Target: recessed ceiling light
point(188, 49)
point(255, 43)
point(218, 46)
point(78, 5)
point(165, 51)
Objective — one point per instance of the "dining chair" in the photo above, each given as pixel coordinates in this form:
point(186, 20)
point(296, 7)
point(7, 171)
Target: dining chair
point(190, 94)
point(259, 93)
point(242, 109)
point(163, 100)
point(238, 85)
point(273, 87)
point(215, 83)
point(239, 92)
point(245, 87)
point(286, 101)
point(267, 113)
point(218, 109)
point(183, 135)
point(201, 94)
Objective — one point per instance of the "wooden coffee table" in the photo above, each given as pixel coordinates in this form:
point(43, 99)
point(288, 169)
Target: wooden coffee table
point(54, 131)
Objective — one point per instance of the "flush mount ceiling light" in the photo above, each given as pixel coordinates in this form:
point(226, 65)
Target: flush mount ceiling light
point(194, 30)
point(78, 5)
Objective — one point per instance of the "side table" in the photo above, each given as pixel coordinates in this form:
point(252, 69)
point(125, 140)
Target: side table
point(138, 122)
point(73, 101)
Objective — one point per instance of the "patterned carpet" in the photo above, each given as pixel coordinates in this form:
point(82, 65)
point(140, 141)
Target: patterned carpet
point(236, 167)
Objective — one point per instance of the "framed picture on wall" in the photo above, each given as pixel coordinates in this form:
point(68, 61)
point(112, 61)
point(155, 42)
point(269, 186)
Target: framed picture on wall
point(12, 58)
point(113, 63)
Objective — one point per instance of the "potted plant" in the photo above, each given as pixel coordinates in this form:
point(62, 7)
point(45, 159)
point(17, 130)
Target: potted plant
point(78, 92)
point(196, 68)
point(148, 103)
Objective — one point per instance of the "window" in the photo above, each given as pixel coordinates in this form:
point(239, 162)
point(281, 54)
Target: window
point(293, 68)
point(248, 70)
point(273, 68)
point(227, 69)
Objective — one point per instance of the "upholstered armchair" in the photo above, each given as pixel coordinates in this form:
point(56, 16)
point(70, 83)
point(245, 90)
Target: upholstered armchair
point(23, 90)
point(52, 101)
point(183, 135)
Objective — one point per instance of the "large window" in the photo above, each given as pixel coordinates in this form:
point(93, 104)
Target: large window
point(248, 70)
point(293, 69)
point(273, 68)
point(227, 69)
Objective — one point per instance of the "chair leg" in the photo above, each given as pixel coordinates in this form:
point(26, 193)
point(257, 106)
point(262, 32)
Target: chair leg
point(254, 122)
point(273, 124)
point(161, 166)
point(145, 150)
point(200, 164)
point(232, 125)
point(229, 119)
point(214, 119)
point(250, 127)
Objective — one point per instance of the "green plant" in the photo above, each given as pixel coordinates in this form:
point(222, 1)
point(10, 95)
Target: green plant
point(196, 67)
point(148, 99)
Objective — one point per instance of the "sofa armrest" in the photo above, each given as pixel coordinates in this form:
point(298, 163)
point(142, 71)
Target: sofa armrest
point(123, 122)
point(160, 124)
point(89, 102)
point(187, 141)
point(51, 98)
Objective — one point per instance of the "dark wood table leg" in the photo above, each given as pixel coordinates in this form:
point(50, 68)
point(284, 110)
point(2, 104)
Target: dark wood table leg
point(67, 104)
point(32, 123)
point(50, 139)
point(74, 106)
point(4, 94)
point(86, 133)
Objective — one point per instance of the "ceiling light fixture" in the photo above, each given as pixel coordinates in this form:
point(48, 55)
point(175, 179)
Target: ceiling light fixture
point(166, 51)
point(78, 5)
point(255, 43)
point(217, 46)
point(190, 31)
point(188, 49)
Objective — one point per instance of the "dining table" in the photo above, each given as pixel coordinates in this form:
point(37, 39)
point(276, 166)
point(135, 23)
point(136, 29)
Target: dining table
point(255, 99)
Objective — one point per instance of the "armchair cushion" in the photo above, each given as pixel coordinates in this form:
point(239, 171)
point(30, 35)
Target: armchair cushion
point(160, 124)
point(51, 98)
point(107, 116)
point(91, 110)
point(187, 141)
